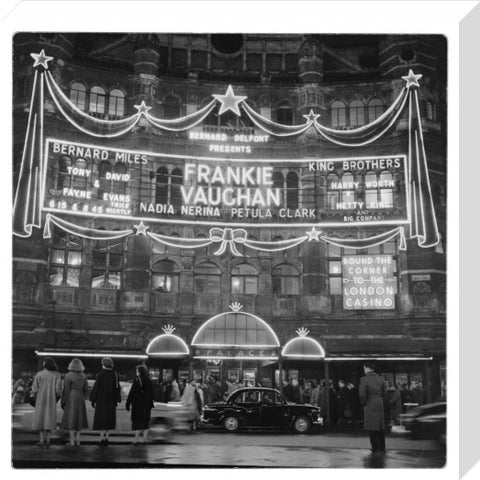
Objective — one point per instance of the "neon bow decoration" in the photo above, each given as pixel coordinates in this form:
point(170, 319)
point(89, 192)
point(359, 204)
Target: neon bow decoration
point(30, 191)
point(228, 237)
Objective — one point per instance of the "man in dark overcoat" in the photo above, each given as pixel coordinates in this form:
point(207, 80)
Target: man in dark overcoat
point(371, 391)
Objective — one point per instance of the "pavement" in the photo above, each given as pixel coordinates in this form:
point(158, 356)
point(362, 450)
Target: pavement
point(210, 447)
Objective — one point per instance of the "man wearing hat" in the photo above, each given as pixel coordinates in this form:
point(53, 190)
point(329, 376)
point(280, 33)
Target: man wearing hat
point(371, 393)
point(105, 396)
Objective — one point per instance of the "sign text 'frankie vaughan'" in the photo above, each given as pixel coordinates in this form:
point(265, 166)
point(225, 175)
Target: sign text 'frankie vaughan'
point(119, 183)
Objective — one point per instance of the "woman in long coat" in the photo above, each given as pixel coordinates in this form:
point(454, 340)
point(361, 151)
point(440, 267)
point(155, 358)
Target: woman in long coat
point(75, 387)
point(371, 393)
point(140, 398)
point(47, 387)
point(105, 396)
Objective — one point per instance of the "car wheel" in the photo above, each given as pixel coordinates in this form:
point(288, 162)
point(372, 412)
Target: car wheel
point(302, 424)
point(231, 423)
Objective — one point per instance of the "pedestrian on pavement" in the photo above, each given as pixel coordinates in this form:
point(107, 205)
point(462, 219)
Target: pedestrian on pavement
point(191, 401)
point(343, 404)
point(140, 398)
point(307, 393)
point(371, 393)
point(315, 394)
point(175, 392)
point(46, 389)
point(395, 402)
point(17, 397)
point(105, 396)
point(75, 388)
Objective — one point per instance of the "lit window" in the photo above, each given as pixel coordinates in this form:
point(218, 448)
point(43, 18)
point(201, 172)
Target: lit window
point(165, 277)
point(78, 95)
point(119, 186)
point(171, 107)
point(348, 195)
point(285, 114)
point(207, 278)
point(285, 280)
point(244, 279)
point(105, 183)
point(97, 100)
point(116, 103)
point(64, 178)
point(292, 190)
point(333, 195)
point(356, 111)
point(371, 192)
point(338, 114)
point(65, 259)
point(375, 109)
point(386, 189)
point(108, 264)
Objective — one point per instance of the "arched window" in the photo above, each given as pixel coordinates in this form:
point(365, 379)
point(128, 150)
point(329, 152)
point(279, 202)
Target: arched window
point(333, 194)
point(108, 259)
point(386, 189)
point(338, 114)
point(97, 100)
point(171, 107)
point(207, 278)
point(64, 179)
point(176, 180)
point(165, 277)
point(375, 109)
point(78, 181)
point(116, 103)
point(161, 187)
point(65, 259)
point(284, 113)
point(285, 280)
point(105, 183)
point(348, 193)
point(356, 111)
point(292, 190)
point(78, 95)
point(371, 191)
point(244, 279)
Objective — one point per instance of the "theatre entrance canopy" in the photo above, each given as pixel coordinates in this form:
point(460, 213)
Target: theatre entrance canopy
point(167, 345)
point(303, 347)
point(235, 335)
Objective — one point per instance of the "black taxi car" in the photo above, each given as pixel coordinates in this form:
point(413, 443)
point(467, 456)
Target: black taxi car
point(259, 407)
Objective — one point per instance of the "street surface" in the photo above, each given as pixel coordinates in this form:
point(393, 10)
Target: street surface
point(211, 447)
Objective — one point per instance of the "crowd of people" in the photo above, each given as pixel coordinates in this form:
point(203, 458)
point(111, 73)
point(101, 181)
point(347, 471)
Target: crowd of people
point(47, 388)
point(342, 402)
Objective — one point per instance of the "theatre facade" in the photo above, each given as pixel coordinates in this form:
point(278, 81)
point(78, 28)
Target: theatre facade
point(254, 207)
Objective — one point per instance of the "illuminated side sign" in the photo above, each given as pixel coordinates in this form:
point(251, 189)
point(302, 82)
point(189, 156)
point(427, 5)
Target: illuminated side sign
point(368, 282)
point(115, 183)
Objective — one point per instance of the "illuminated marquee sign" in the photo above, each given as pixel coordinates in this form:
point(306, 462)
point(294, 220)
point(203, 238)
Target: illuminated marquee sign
point(236, 353)
point(368, 282)
point(95, 180)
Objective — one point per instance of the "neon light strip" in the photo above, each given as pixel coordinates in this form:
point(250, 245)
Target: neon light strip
point(378, 120)
point(165, 354)
point(29, 224)
point(421, 236)
point(285, 226)
point(225, 345)
point(298, 355)
point(201, 357)
point(187, 351)
point(262, 322)
point(22, 165)
point(88, 354)
point(424, 160)
point(366, 359)
point(135, 120)
point(301, 339)
point(221, 159)
point(409, 182)
point(371, 140)
point(41, 160)
point(77, 110)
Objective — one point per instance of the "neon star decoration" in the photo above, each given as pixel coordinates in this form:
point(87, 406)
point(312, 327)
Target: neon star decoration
point(141, 228)
point(41, 60)
point(236, 306)
point(313, 234)
point(142, 108)
point(229, 101)
point(412, 79)
point(312, 117)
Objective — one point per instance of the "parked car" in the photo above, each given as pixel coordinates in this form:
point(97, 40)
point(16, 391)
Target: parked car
point(426, 421)
point(261, 408)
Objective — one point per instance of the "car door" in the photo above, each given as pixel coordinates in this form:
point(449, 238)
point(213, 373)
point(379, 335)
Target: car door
point(275, 411)
point(247, 403)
